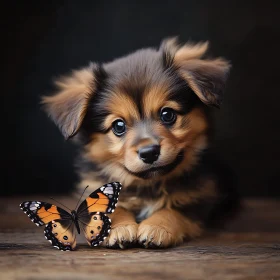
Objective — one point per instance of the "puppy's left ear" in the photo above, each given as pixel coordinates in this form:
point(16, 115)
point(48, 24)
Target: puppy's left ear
point(207, 78)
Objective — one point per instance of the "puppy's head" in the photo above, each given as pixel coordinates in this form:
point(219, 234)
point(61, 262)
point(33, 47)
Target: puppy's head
point(143, 116)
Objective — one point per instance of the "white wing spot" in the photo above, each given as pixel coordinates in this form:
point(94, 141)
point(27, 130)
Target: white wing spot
point(109, 190)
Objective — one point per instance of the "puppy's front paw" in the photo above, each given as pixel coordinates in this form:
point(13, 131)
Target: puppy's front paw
point(166, 228)
point(155, 236)
point(122, 236)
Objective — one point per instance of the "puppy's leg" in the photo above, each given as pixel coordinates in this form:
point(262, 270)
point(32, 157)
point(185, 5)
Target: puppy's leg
point(123, 231)
point(166, 228)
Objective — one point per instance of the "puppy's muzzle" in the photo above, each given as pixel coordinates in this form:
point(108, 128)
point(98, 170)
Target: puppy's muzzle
point(149, 154)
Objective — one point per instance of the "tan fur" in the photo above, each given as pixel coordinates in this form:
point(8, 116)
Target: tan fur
point(190, 51)
point(68, 107)
point(98, 148)
point(165, 228)
point(154, 99)
point(123, 107)
point(184, 52)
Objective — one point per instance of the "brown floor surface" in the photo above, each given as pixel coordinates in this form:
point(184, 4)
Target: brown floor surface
point(248, 248)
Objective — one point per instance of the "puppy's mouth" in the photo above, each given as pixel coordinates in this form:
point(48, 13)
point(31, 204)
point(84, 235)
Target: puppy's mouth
point(158, 170)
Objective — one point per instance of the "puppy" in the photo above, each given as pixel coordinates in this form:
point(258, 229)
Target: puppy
point(144, 120)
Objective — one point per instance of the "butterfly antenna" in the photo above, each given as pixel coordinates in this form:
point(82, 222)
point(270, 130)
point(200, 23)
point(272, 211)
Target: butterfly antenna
point(81, 197)
point(60, 203)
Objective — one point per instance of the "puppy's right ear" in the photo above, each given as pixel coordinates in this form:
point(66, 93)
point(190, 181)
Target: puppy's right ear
point(68, 106)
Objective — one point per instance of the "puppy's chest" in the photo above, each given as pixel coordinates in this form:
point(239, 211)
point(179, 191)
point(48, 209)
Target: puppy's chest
point(143, 201)
point(135, 198)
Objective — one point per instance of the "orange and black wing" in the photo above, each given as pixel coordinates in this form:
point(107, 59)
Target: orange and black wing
point(102, 200)
point(96, 227)
point(61, 234)
point(60, 229)
point(92, 212)
point(41, 213)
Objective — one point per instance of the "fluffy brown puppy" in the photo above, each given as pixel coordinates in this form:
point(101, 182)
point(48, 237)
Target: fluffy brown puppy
point(143, 120)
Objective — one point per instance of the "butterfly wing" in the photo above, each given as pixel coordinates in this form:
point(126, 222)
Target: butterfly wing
point(41, 213)
point(59, 224)
point(96, 227)
point(92, 212)
point(61, 234)
point(103, 200)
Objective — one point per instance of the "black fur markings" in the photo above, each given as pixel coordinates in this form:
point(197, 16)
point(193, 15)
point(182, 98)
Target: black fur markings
point(181, 93)
point(95, 113)
point(167, 60)
point(101, 77)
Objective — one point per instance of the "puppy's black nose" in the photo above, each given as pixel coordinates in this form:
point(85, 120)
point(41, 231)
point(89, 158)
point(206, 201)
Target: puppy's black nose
point(149, 154)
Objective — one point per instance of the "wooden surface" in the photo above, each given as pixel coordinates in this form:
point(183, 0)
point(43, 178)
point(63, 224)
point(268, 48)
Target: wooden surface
point(248, 248)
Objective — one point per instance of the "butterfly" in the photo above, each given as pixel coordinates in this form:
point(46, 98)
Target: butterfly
point(90, 217)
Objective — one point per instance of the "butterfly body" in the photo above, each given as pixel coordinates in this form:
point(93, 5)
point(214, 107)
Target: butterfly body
point(75, 220)
point(90, 217)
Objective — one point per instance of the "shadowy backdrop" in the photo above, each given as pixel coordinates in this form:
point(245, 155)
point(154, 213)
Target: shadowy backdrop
point(44, 39)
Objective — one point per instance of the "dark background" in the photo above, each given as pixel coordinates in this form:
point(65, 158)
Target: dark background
point(43, 39)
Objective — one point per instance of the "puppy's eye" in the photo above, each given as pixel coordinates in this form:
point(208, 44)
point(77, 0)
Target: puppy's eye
point(119, 127)
point(168, 116)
